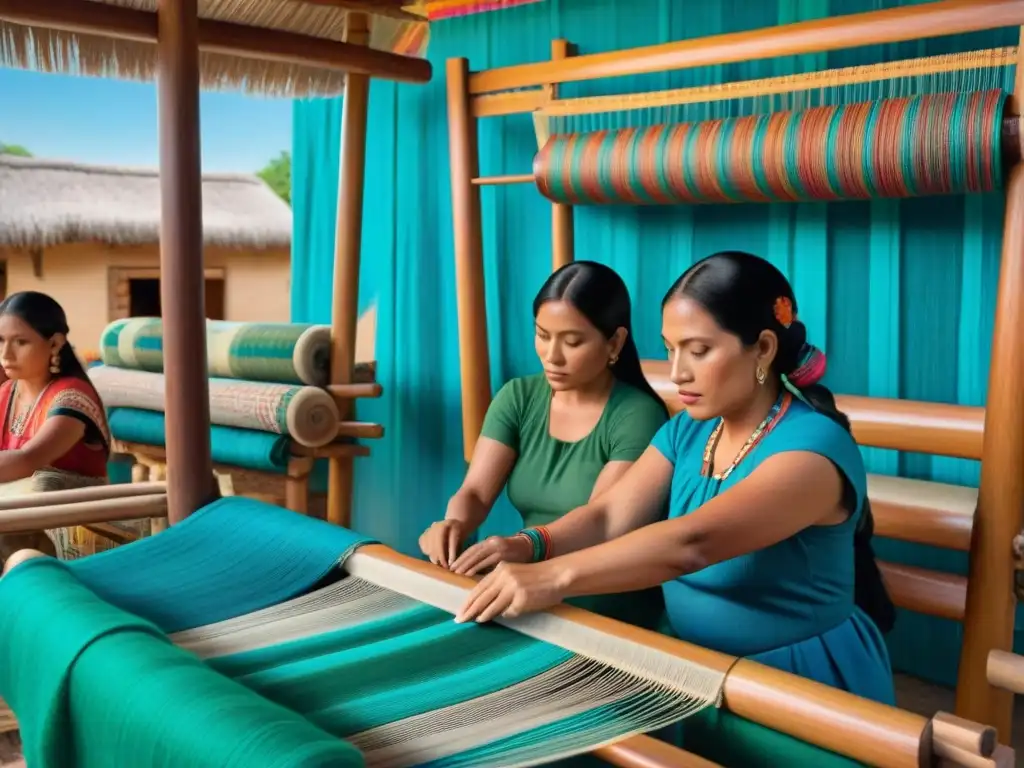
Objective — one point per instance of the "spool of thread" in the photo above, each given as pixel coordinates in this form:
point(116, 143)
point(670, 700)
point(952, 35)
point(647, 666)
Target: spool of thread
point(947, 143)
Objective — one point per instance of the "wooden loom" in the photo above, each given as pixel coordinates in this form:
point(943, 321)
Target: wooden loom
point(982, 522)
point(179, 35)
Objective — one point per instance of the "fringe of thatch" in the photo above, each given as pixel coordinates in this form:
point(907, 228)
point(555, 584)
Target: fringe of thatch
point(47, 50)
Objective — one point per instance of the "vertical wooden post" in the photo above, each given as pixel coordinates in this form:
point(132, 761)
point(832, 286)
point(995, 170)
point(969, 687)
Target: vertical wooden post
point(562, 233)
point(991, 604)
point(347, 243)
point(474, 360)
point(191, 483)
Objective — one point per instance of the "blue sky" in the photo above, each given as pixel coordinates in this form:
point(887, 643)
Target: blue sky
point(113, 122)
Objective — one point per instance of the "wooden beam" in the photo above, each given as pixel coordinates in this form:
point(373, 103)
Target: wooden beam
point(93, 18)
point(991, 604)
point(938, 429)
point(347, 253)
point(893, 25)
point(511, 103)
point(932, 593)
point(191, 484)
point(491, 181)
point(474, 359)
point(563, 236)
point(818, 714)
point(648, 752)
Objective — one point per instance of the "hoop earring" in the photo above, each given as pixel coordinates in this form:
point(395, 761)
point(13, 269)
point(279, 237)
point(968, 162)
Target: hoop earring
point(55, 362)
point(760, 375)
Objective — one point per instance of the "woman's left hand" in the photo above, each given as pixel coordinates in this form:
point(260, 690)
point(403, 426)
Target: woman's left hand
point(513, 589)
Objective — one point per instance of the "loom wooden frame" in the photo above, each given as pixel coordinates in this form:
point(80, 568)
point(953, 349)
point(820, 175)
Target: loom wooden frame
point(985, 601)
point(179, 35)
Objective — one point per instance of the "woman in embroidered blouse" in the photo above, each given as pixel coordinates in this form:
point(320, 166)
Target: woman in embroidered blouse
point(767, 550)
point(53, 419)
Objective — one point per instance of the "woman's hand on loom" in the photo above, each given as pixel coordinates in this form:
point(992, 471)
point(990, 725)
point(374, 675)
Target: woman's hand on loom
point(513, 589)
point(492, 551)
point(441, 542)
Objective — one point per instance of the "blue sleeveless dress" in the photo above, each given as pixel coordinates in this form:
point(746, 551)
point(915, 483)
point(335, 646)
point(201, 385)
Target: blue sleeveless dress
point(789, 606)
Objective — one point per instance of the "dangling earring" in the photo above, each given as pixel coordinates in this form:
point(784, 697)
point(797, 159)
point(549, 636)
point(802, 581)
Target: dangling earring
point(760, 375)
point(55, 362)
point(613, 360)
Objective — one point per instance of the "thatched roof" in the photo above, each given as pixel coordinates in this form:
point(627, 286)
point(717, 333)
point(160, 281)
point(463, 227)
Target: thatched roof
point(391, 29)
point(48, 202)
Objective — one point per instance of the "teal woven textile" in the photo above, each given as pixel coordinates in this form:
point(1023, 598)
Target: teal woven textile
point(287, 353)
point(113, 691)
point(233, 446)
point(400, 681)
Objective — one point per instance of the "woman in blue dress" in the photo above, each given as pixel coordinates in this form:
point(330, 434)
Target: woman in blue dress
point(766, 551)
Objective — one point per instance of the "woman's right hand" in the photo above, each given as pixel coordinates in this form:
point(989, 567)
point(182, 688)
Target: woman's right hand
point(441, 542)
point(491, 551)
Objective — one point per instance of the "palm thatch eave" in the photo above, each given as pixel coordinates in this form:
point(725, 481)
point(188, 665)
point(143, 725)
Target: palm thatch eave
point(51, 202)
point(27, 42)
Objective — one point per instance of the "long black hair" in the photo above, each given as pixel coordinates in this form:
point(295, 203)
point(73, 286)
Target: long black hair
point(741, 292)
point(46, 317)
point(599, 294)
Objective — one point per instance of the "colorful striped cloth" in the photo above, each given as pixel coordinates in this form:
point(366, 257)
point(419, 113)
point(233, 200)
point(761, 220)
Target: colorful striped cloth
point(308, 415)
point(947, 143)
point(287, 353)
point(437, 10)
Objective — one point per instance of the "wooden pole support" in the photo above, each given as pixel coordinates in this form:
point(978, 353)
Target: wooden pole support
point(182, 280)
point(1005, 670)
point(348, 242)
point(955, 732)
point(474, 359)
point(834, 33)
point(989, 615)
point(562, 232)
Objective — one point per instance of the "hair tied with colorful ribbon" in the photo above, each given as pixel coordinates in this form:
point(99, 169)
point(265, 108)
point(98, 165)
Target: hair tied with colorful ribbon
point(783, 310)
point(811, 368)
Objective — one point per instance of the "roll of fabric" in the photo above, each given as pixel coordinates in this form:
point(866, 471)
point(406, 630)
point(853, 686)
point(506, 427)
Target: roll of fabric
point(245, 448)
point(171, 710)
point(934, 144)
point(288, 353)
point(307, 415)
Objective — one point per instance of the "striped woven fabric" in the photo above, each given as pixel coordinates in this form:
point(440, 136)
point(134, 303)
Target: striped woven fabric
point(306, 414)
point(437, 10)
point(948, 143)
point(288, 353)
point(299, 672)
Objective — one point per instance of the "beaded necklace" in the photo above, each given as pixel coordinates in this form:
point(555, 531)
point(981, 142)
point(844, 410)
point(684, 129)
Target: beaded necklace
point(774, 416)
point(17, 421)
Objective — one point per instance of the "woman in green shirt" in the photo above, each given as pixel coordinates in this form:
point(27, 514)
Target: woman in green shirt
point(557, 439)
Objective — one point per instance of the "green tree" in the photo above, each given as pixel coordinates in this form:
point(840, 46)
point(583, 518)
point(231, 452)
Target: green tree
point(278, 176)
point(19, 151)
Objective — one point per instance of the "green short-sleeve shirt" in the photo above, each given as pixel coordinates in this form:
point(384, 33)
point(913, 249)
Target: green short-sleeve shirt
point(550, 476)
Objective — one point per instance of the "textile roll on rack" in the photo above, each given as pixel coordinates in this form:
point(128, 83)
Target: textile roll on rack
point(308, 415)
point(288, 353)
point(372, 658)
point(244, 448)
point(944, 143)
